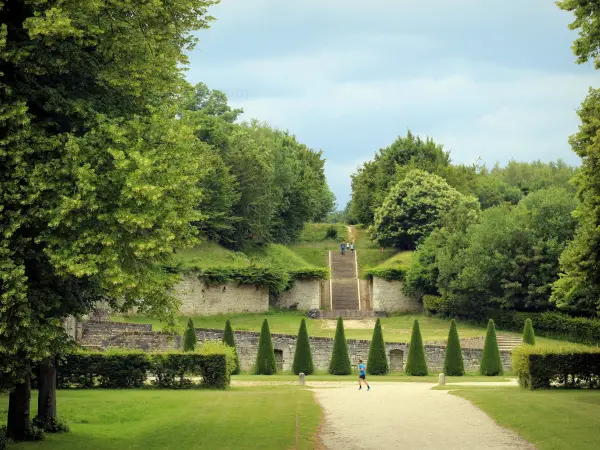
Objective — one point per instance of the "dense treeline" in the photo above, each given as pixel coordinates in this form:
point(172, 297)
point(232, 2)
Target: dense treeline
point(259, 184)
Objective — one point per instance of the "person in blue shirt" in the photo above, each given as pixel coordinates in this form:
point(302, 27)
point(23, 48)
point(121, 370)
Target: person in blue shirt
point(343, 247)
point(362, 375)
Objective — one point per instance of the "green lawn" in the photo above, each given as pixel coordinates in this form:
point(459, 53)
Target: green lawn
point(393, 377)
point(253, 418)
point(317, 232)
point(552, 420)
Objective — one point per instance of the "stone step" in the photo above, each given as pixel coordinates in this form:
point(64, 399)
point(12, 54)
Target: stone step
point(349, 314)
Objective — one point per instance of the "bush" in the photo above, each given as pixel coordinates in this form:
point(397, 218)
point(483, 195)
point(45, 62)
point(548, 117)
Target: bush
point(331, 233)
point(453, 362)
point(189, 338)
point(434, 304)
point(528, 334)
point(377, 363)
point(416, 364)
point(568, 366)
point(119, 369)
point(229, 339)
point(265, 358)
point(340, 360)
point(303, 362)
point(491, 364)
point(4, 441)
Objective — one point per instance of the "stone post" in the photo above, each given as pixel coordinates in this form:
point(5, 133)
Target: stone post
point(301, 379)
point(442, 380)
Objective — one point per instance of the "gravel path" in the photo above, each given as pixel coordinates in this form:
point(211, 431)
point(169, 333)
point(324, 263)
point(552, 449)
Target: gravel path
point(408, 416)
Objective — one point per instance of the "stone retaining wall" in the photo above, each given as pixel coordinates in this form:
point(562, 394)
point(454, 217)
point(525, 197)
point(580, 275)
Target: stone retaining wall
point(303, 295)
point(389, 296)
point(197, 298)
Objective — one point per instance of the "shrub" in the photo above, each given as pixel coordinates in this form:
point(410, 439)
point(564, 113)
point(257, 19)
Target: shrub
point(340, 360)
point(434, 304)
point(120, 369)
point(265, 358)
point(4, 441)
point(331, 233)
point(491, 364)
point(229, 339)
point(416, 364)
point(528, 334)
point(377, 363)
point(568, 366)
point(453, 362)
point(189, 338)
point(303, 362)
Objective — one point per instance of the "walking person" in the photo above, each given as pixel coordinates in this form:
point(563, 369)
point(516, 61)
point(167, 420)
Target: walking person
point(352, 247)
point(342, 247)
point(362, 375)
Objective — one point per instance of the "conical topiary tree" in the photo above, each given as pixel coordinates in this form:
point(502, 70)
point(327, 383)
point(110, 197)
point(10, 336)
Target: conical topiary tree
point(229, 339)
point(303, 362)
point(377, 363)
point(491, 364)
point(453, 363)
point(340, 361)
point(416, 363)
point(189, 338)
point(528, 334)
point(265, 359)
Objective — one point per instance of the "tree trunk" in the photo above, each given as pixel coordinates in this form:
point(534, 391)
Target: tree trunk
point(47, 391)
point(19, 422)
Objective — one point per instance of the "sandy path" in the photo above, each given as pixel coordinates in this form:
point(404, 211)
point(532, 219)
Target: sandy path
point(408, 416)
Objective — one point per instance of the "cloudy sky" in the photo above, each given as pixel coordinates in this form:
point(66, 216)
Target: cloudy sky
point(489, 79)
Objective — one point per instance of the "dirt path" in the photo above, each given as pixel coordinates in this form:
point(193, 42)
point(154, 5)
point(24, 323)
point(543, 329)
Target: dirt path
point(408, 416)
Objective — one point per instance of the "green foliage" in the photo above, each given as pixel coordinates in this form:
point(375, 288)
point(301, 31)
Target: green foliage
point(331, 233)
point(491, 364)
point(394, 268)
point(412, 209)
point(587, 17)
point(416, 364)
point(377, 363)
point(453, 361)
point(540, 367)
point(4, 440)
point(229, 339)
point(528, 334)
point(120, 369)
point(530, 177)
point(340, 360)
point(321, 232)
point(189, 338)
point(265, 358)
point(303, 362)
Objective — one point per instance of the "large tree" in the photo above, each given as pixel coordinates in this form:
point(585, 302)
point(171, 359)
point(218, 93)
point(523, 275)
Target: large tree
point(578, 288)
point(413, 209)
point(98, 178)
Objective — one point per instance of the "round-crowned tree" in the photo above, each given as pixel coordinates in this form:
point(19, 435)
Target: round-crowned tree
point(453, 363)
point(491, 364)
point(416, 363)
point(412, 209)
point(229, 339)
point(528, 334)
point(303, 362)
point(189, 340)
point(265, 359)
point(340, 360)
point(377, 363)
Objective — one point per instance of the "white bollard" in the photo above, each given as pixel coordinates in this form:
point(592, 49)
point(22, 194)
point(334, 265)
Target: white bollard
point(301, 379)
point(441, 379)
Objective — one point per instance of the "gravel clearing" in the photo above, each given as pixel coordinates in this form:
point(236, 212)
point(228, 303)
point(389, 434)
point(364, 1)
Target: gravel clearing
point(407, 416)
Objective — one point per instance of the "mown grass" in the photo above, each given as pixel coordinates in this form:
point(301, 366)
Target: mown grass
point(251, 417)
point(552, 420)
point(392, 377)
point(317, 232)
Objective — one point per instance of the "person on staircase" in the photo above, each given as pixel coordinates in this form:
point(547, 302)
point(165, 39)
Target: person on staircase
point(343, 247)
point(352, 247)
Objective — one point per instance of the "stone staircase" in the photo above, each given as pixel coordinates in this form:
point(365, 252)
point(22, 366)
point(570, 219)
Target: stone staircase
point(508, 342)
point(352, 314)
point(344, 282)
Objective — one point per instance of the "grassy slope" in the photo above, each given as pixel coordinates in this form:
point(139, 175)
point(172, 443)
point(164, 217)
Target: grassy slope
point(258, 417)
point(312, 245)
point(552, 420)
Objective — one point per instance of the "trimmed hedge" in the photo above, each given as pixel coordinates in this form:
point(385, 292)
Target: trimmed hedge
point(491, 364)
point(303, 362)
point(386, 273)
point(340, 360)
point(453, 361)
point(189, 338)
point(116, 369)
point(567, 366)
point(377, 363)
point(416, 364)
point(229, 339)
point(528, 334)
point(549, 324)
point(265, 358)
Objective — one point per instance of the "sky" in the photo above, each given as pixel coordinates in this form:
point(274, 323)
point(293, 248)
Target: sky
point(489, 79)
